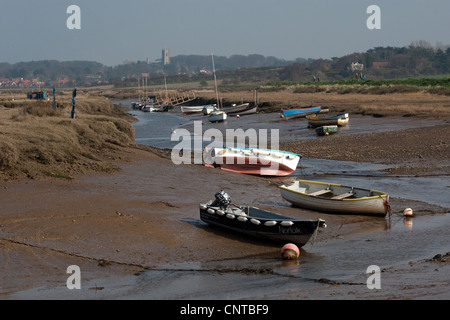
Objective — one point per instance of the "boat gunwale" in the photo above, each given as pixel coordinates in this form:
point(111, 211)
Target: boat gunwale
point(265, 215)
point(250, 149)
point(381, 193)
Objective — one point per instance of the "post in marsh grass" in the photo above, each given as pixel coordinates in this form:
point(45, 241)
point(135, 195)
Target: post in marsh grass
point(74, 94)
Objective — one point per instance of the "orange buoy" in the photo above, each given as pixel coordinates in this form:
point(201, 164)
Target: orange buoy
point(290, 252)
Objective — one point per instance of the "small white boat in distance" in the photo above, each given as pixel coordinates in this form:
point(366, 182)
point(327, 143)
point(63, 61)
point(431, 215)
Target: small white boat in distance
point(264, 162)
point(236, 108)
point(148, 108)
point(208, 109)
point(334, 120)
point(187, 110)
point(336, 198)
point(217, 116)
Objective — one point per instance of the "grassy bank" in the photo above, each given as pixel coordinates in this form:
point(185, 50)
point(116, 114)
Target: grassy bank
point(37, 140)
point(429, 85)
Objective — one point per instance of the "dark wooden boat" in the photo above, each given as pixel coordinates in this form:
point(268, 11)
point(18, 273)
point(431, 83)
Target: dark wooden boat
point(255, 222)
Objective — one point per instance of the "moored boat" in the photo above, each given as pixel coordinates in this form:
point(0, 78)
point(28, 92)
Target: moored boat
point(256, 161)
point(236, 108)
point(248, 110)
point(217, 116)
point(255, 222)
point(337, 119)
point(148, 108)
point(326, 130)
point(302, 112)
point(187, 110)
point(336, 198)
point(208, 109)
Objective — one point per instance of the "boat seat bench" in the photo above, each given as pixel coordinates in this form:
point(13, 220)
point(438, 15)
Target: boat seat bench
point(320, 192)
point(343, 196)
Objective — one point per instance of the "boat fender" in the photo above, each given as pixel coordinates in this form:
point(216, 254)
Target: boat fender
point(220, 212)
point(255, 221)
point(286, 223)
point(242, 219)
point(203, 207)
point(270, 223)
point(322, 223)
point(230, 216)
point(211, 211)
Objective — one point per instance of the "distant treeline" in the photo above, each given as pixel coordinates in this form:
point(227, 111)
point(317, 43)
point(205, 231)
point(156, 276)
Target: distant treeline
point(416, 60)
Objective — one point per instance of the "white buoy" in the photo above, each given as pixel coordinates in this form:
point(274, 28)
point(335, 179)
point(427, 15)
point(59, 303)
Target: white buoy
point(408, 212)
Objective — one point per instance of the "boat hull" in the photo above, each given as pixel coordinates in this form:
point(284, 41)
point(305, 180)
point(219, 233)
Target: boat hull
point(206, 110)
point(187, 110)
point(305, 194)
point(253, 161)
point(261, 224)
point(338, 120)
point(303, 112)
point(326, 130)
point(217, 116)
point(235, 109)
point(300, 112)
point(249, 110)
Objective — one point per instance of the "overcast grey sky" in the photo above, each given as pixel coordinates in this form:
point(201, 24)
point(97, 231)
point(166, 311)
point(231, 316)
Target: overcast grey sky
point(114, 31)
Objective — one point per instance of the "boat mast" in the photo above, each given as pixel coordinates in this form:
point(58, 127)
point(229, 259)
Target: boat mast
point(165, 86)
point(215, 80)
point(139, 91)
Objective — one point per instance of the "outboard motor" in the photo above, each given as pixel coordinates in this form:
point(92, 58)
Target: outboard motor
point(222, 199)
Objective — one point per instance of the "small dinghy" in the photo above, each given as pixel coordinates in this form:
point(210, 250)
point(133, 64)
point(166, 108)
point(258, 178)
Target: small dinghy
point(258, 223)
point(339, 120)
point(326, 130)
point(336, 198)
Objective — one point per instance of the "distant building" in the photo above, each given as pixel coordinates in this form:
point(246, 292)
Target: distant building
point(165, 57)
point(40, 95)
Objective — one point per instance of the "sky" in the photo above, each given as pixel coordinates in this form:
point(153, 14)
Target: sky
point(114, 31)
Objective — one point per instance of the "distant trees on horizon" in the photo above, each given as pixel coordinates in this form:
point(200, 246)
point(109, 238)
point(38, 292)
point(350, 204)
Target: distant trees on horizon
point(415, 60)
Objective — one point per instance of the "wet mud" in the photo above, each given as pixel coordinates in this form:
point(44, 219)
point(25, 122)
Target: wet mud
point(137, 234)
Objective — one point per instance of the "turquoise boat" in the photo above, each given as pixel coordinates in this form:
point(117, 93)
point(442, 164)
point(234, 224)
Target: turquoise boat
point(300, 112)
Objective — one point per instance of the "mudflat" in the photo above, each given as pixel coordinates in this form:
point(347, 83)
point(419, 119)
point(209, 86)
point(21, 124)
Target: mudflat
point(144, 219)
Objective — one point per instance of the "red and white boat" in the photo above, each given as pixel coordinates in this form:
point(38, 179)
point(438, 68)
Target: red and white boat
point(256, 161)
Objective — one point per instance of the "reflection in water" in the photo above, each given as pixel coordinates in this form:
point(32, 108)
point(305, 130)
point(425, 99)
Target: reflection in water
point(408, 222)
